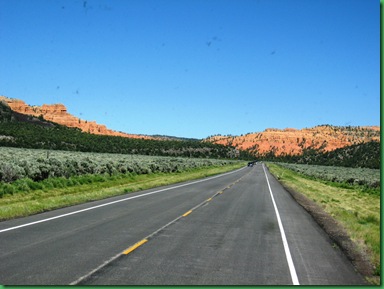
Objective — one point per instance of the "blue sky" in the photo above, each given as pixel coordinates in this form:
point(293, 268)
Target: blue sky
point(194, 68)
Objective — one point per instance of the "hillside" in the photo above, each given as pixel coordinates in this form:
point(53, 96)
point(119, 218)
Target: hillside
point(364, 155)
point(58, 113)
point(289, 141)
point(19, 130)
point(310, 145)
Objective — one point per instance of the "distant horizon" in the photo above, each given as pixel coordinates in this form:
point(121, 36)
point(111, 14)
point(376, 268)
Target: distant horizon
point(175, 136)
point(196, 68)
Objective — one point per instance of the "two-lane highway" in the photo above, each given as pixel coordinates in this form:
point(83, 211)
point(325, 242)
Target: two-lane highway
point(237, 228)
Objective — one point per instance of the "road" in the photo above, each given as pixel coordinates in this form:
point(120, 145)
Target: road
point(239, 228)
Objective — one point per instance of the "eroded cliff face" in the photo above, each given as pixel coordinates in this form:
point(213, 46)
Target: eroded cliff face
point(288, 141)
point(58, 113)
point(291, 141)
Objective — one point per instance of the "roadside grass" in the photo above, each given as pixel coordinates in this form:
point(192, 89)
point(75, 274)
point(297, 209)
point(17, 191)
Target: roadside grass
point(356, 210)
point(51, 195)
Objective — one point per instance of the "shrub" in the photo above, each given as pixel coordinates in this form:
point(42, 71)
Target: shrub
point(38, 166)
point(346, 176)
point(7, 189)
point(10, 172)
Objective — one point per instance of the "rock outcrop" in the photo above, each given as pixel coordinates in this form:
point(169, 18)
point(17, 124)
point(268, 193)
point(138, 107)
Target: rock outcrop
point(292, 141)
point(58, 113)
point(287, 141)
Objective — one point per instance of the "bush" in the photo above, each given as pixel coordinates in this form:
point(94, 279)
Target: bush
point(10, 172)
point(23, 185)
point(346, 176)
point(38, 168)
point(7, 189)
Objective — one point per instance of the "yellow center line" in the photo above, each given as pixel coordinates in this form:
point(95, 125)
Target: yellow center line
point(187, 213)
point(138, 244)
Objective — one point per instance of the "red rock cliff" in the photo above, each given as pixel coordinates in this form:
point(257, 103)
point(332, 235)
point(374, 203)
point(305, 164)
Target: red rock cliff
point(292, 141)
point(58, 113)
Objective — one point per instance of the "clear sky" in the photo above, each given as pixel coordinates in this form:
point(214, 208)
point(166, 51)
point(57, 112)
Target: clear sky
point(195, 68)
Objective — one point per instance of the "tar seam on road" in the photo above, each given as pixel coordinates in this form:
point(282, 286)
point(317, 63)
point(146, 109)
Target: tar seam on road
point(114, 202)
point(146, 239)
point(291, 266)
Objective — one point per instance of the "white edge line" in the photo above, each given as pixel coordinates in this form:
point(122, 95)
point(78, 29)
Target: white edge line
point(291, 266)
point(84, 277)
point(117, 201)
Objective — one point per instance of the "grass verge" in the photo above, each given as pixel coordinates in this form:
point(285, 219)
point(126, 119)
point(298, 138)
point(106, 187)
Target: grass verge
point(91, 188)
point(356, 211)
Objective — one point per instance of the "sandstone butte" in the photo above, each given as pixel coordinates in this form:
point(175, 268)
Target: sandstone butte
point(288, 141)
point(292, 141)
point(58, 113)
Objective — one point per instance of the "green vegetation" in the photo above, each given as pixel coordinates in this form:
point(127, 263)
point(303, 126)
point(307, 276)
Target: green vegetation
point(23, 170)
point(364, 155)
point(44, 165)
point(367, 179)
point(60, 166)
point(36, 197)
point(355, 209)
point(18, 130)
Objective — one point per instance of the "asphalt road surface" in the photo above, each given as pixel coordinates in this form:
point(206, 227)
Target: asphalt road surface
point(239, 228)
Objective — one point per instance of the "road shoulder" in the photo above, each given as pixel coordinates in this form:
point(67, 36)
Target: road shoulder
point(335, 231)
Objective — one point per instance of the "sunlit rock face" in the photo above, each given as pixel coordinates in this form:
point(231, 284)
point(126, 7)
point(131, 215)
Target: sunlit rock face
point(292, 141)
point(58, 113)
